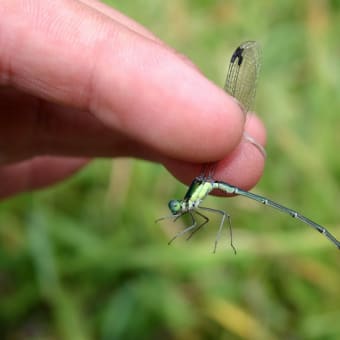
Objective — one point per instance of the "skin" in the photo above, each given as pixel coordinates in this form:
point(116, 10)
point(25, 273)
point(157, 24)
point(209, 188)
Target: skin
point(80, 80)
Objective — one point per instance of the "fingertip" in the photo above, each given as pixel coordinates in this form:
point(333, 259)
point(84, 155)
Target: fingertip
point(245, 165)
point(242, 167)
point(255, 128)
point(213, 126)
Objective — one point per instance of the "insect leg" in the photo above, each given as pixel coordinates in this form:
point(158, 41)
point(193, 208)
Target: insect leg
point(186, 230)
point(206, 220)
point(224, 215)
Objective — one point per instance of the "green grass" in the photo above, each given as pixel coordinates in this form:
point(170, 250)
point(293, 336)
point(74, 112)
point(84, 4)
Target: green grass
point(85, 260)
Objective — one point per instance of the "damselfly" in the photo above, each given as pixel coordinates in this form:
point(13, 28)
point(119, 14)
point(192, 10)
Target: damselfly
point(240, 83)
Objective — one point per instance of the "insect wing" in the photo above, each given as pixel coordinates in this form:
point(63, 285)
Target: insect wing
point(243, 74)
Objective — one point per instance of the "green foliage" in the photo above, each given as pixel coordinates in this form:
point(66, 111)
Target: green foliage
point(85, 260)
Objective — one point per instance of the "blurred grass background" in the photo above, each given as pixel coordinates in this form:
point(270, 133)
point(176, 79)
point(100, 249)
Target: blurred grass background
point(85, 260)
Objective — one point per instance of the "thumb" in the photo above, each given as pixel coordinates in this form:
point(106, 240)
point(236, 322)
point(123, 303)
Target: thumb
point(77, 56)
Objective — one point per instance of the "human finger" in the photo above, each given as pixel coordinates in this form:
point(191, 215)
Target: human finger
point(243, 167)
point(36, 173)
point(131, 83)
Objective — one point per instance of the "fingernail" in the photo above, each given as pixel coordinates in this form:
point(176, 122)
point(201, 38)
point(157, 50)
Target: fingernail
point(253, 141)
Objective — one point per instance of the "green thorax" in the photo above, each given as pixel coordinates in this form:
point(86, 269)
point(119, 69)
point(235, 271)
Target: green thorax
point(198, 190)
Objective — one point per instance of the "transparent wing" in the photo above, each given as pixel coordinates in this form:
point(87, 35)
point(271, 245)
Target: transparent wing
point(241, 83)
point(243, 74)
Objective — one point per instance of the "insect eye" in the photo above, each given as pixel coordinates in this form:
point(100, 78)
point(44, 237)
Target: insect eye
point(174, 206)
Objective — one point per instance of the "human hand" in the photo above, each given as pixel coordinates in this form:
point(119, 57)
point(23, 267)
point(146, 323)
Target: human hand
point(80, 80)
